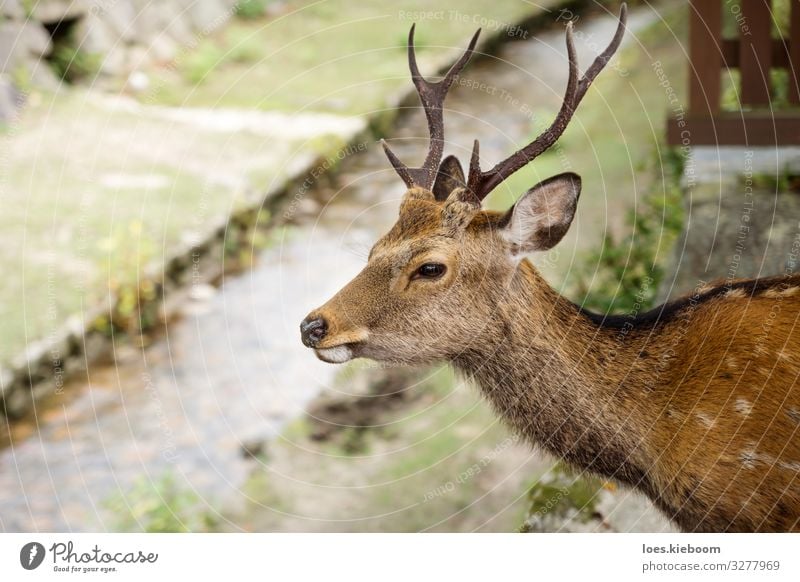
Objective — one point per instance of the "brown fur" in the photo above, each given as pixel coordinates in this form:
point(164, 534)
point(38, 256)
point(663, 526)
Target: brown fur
point(696, 403)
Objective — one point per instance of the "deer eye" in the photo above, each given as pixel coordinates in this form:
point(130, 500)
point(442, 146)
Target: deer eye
point(430, 271)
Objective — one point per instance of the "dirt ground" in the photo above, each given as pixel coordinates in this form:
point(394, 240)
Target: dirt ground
point(395, 452)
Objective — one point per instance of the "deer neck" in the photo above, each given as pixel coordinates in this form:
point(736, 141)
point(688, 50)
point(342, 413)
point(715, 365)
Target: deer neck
point(562, 380)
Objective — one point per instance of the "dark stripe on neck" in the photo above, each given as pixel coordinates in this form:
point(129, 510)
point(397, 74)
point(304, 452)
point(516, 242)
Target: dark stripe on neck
point(669, 311)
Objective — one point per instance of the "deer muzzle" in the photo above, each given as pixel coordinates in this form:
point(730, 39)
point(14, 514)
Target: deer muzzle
point(330, 344)
point(312, 331)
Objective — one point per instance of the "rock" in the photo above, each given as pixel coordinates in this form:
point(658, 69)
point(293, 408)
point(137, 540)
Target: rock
point(207, 16)
point(75, 331)
point(95, 346)
point(34, 353)
point(55, 350)
point(9, 101)
point(163, 49)
point(6, 381)
point(9, 45)
point(307, 207)
point(114, 62)
point(12, 9)
point(138, 82)
point(18, 402)
point(709, 165)
point(74, 365)
point(630, 511)
point(22, 46)
point(119, 19)
point(35, 39)
point(126, 353)
point(201, 292)
point(44, 389)
point(137, 58)
point(21, 40)
point(276, 8)
point(53, 11)
point(733, 233)
point(41, 75)
point(253, 449)
point(94, 35)
point(164, 19)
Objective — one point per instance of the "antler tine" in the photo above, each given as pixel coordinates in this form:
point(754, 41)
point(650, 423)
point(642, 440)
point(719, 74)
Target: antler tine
point(482, 183)
point(474, 175)
point(432, 96)
point(602, 59)
point(572, 80)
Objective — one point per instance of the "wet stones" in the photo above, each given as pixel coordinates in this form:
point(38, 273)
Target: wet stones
point(52, 11)
point(121, 36)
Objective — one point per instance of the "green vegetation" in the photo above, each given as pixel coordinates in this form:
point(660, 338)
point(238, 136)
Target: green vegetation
point(731, 90)
point(28, 6)
point(732, 20)
point(732, 15)
point(769, 182)
point(235, 45)
point(624, 274)
point(74, 64)
point(559, 497)
point(128, 284)
point(21, 79)
point(251, 9)
point(68, 59)
point(161, 506)
point(242, 47)
point(200, 63)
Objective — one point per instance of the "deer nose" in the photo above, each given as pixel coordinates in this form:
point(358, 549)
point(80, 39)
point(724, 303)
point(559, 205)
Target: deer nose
point(312, 330)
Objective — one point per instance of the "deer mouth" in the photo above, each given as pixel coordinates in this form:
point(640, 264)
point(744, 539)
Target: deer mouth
point(342, 347)
point(336, 354)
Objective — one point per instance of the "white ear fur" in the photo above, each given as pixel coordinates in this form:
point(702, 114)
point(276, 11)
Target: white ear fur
point(541, 217)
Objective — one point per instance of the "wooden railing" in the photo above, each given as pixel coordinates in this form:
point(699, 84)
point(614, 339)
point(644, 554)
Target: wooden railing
point(755, 53)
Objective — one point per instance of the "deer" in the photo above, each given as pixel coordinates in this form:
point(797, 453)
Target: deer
point(694, 403)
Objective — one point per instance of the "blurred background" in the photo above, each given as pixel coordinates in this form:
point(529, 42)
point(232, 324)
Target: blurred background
point(181, 181)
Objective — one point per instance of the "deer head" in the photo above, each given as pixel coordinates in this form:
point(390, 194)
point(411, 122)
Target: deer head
point(432, 286)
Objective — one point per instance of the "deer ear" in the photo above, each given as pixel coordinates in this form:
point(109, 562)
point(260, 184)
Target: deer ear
point(449, 177)
point(541, 217)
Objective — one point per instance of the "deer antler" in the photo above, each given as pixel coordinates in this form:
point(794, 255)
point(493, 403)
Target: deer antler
point(480, 184)
point(432, 96)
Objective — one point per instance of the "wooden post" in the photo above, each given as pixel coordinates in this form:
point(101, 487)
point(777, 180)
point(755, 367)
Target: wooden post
point(705, 56)
point(794, 53)
point(755, 52)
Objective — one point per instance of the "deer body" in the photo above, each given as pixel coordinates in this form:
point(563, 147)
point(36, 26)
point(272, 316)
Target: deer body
point(707, 426)
point(696, 404)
